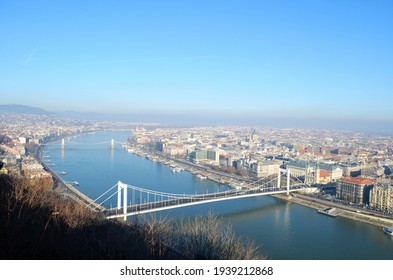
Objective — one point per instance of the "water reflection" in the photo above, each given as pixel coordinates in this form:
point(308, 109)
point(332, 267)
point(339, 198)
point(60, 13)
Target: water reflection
point(62, 153)
point(112, 155)
point(287, 217)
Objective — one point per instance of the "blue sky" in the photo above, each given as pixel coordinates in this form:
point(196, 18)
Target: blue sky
point(285, 59)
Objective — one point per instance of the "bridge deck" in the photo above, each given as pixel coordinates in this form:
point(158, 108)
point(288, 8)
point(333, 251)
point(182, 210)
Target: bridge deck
point(193, 200)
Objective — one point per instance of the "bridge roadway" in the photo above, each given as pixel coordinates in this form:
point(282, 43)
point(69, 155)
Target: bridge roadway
point(194, 200)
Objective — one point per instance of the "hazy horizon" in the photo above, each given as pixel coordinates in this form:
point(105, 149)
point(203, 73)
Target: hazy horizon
point(211, 119)
point(182, 118)
point(306, 64)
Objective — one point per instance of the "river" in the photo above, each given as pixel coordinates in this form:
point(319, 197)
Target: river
point(283, 230)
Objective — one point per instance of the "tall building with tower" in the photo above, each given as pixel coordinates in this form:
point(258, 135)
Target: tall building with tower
point(308, 172)
point(315, 172)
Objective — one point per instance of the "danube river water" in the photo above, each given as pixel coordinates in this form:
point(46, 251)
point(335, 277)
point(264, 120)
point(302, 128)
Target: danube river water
point(282, 229)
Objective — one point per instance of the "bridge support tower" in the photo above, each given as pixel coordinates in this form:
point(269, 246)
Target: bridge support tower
point(113, 144)
point(284, 171)
point(121, 186)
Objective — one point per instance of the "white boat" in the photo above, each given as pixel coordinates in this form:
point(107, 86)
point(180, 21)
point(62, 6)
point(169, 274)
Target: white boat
point(76, 183)
point(176, 169)
point(63, 173)
point(388, 231)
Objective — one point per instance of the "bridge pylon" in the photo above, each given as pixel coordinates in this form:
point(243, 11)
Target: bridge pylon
point(113, 144)
point(284, 171)
point(121, 186)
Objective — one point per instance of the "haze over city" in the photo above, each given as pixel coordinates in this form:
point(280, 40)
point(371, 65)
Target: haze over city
point(285, 63)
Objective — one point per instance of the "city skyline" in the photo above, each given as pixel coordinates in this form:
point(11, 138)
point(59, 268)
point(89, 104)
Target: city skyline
point(198, 119)
point(305, 62)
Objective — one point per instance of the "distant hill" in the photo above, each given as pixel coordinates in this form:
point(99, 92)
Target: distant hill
point(23, 109)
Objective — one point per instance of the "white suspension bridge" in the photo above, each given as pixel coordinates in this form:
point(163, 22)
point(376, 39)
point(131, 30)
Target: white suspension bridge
point(68, 141)
point(112, 143)
point(142, 201)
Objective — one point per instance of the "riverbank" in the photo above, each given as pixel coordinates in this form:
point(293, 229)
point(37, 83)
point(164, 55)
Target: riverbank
point(68, 190)
point(61, 186)
point(311, 202)
point(342, 211)
point(205, 172)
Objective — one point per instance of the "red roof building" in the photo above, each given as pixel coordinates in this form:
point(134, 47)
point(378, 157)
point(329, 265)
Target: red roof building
point(354, 189)
point(357, 180)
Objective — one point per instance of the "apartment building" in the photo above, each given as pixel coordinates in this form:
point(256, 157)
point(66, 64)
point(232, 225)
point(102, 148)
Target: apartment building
point(355, 190)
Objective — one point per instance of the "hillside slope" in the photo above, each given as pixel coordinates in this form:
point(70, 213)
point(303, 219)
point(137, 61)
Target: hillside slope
point(39, 224)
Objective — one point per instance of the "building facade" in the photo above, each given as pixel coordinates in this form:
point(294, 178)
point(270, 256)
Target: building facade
point(263, 169)
point(206, 156)
point(315, 172)
point(381, 197)
point(307, 172)
point(333, 171)
point(354, 190)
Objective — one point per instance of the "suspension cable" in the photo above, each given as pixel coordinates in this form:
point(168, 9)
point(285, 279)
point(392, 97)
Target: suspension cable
point(103, 194)
point(109, 197)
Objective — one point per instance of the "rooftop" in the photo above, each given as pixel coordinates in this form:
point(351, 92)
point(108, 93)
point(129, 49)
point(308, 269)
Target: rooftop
point(357, 180)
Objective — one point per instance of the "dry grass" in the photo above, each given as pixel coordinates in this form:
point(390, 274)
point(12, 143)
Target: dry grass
point(203, 237)
point(37, 223)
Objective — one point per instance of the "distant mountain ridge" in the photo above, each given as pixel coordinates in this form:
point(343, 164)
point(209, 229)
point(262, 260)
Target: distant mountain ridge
point(23, 109)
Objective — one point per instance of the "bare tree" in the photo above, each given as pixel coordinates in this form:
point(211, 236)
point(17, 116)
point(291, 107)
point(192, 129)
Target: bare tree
point(203, 237)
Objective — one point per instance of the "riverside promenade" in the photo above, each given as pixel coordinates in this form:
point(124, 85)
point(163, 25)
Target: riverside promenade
point(364, 216)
